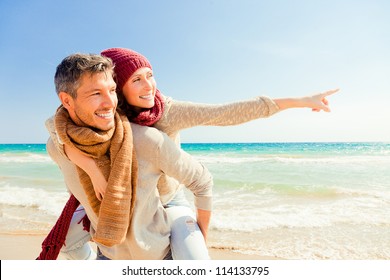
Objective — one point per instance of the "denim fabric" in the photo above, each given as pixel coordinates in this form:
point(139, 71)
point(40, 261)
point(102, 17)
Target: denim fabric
point(76, 244)
point(187, 241)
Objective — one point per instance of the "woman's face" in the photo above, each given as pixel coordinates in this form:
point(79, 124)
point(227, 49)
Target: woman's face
point(140, 89)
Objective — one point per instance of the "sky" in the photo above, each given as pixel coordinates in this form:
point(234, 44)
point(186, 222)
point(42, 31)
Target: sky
point(211, 51)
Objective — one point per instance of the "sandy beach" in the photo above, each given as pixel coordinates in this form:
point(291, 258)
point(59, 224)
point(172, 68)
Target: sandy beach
point(27, 247)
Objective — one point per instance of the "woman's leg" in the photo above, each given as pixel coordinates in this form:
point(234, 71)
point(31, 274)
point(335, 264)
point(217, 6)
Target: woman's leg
point(76, 244)
point(187, 241)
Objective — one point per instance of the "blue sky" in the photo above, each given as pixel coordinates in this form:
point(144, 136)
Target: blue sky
point(212, 52)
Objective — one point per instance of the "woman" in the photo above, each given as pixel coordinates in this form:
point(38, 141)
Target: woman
point(142, 102)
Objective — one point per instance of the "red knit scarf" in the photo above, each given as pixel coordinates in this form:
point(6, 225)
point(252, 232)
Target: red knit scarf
point(53, 243)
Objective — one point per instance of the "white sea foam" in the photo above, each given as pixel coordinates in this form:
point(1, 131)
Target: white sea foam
point(339, 241)
point(42, 200)
point(24, 158)
point(240, 210)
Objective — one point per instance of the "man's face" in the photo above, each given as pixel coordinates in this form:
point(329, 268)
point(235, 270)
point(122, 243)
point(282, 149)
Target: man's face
point(95, 103)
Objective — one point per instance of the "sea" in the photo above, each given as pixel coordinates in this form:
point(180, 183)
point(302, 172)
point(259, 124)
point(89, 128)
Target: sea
point(304, 201)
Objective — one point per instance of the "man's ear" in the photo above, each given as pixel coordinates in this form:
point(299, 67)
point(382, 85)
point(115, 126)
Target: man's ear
point(66, 99)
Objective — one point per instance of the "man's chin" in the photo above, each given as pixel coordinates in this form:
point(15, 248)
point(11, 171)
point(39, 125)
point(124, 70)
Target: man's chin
point(105, 126)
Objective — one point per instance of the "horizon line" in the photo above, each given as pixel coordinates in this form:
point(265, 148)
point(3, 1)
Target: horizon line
point(240, 142)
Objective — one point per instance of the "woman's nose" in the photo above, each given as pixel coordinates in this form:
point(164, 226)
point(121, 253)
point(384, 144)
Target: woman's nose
point(148, 84)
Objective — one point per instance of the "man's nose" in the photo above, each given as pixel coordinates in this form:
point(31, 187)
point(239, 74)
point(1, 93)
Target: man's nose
point(110, 99)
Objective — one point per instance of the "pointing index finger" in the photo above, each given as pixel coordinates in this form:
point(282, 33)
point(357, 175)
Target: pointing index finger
point(330, 92)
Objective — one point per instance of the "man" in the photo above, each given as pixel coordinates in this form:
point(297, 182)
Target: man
point(130, 222)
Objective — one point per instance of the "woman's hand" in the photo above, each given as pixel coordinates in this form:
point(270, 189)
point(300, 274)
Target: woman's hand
point(319, 101)
point(316, 102)
point(99, 184)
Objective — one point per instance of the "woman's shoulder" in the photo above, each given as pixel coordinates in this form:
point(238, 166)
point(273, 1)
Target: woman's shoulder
point(166, 99)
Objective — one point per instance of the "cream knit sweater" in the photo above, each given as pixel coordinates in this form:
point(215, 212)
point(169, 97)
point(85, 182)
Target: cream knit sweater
point(148, 236)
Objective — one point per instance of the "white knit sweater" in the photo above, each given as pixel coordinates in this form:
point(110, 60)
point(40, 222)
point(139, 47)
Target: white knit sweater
point(157, 154)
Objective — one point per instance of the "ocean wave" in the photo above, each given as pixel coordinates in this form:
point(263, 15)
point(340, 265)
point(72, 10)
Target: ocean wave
point(246, 210)
point(333, 242)
point(212, 159)
point(295, 217)
point(25, 158)
point(48, 202)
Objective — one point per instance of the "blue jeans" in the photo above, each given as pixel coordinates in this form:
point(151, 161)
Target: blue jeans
point(76, 243)
point(187, 242)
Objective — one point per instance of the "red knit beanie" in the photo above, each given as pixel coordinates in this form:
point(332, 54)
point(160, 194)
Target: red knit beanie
point(126, 62)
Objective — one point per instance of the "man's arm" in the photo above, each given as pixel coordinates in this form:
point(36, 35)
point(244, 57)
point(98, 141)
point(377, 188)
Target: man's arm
point(176, 163)
point(203, 218)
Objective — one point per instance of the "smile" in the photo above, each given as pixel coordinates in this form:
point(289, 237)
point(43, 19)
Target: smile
point(106, 115)
point(146, 97)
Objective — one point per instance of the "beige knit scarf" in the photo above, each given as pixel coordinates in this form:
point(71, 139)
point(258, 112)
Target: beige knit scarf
point(114, 154)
